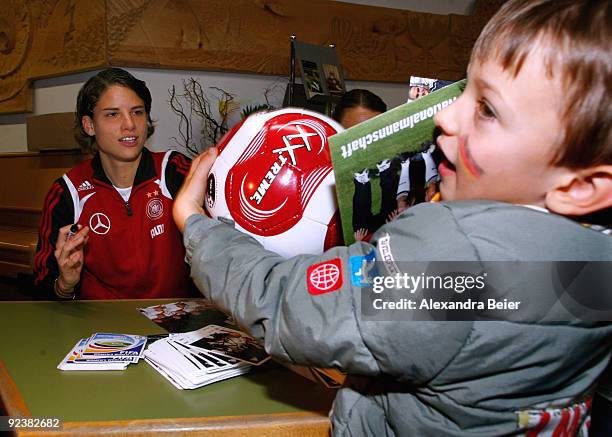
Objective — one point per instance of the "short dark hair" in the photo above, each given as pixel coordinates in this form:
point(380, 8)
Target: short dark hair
point(90, 94)
point(358, 98)
point(575, 35)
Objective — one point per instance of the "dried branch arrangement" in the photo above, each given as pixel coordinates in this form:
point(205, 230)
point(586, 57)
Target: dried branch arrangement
point(193, 107)
point(192, 100)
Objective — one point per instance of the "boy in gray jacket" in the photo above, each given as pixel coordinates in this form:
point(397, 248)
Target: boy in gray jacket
point(527, 176)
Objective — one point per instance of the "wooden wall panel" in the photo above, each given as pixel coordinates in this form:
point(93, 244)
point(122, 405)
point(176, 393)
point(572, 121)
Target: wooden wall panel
point(41, 38)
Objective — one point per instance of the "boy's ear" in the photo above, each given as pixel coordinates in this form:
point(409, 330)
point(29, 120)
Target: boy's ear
point(88, 125)
point(582, 192)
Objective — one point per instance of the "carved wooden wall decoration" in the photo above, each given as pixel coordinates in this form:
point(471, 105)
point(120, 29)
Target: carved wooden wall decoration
point(42, 38)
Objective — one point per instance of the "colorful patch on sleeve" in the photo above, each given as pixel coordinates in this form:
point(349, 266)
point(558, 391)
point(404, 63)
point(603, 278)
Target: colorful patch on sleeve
point(363, 268)
point(324, 277)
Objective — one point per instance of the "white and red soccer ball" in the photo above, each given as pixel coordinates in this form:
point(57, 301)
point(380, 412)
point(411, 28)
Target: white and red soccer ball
point(273, 177)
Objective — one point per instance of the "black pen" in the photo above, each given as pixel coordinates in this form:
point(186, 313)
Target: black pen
point(73, 230)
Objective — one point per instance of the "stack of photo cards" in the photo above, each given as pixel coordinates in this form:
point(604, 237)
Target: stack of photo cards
point(213, 353)
point(104, 351)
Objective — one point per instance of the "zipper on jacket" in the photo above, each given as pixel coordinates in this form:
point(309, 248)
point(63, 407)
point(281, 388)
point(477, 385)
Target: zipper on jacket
point(128, 207)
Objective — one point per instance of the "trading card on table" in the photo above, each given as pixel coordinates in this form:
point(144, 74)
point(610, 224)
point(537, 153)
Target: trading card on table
point(74, 361)
point(218, 360)
point(176, 365)
point(185, 378)
point(91, 366)
point(198, 363)
point(109, 345)
point(231, 343)
point(162, 371)
point(223, 359)
point(178, 379)
point(112, 363)
point(199, 358)
point(208, 365)
point(174, 360)
point(77, 350)
point(72, 355)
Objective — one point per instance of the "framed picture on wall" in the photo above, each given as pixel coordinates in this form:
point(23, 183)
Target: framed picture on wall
point(321, 72)
point(311, 79)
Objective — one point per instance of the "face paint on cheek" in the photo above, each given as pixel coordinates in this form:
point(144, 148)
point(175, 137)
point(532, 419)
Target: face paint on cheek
point(468, 161)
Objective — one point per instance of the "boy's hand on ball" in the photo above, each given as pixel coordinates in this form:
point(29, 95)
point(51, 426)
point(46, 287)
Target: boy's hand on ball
point(190, 198)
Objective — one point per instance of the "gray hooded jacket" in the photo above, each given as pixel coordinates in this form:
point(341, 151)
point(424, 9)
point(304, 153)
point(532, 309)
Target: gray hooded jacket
point(466, 378)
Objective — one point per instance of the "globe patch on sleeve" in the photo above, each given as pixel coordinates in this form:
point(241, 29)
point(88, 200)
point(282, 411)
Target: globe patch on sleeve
point(324, 277)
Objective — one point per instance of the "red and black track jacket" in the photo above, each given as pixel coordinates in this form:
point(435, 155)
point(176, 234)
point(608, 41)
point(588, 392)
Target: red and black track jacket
point(134, 250)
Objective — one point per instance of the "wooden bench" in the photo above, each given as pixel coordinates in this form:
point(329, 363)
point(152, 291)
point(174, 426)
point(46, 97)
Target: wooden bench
point(25, 179)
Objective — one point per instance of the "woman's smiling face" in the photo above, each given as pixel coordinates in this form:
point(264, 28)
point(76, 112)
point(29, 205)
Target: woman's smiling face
point(119, 124)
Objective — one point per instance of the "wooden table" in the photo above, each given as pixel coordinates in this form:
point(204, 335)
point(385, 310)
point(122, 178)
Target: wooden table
point(269, 401)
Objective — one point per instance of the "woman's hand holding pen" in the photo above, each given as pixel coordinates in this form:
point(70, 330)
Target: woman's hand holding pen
point(69, 255)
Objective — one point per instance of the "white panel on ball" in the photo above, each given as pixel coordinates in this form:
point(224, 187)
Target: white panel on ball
point(318, 208)
point(307, 236)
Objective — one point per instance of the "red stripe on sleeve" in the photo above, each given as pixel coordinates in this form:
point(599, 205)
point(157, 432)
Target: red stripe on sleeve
point(45, 230)
point(577, 417)
point(544, 419)
point(561, 428)
point(181, 163)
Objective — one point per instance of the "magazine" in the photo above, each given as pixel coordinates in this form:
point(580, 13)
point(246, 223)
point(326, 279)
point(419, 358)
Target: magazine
point(375, 148)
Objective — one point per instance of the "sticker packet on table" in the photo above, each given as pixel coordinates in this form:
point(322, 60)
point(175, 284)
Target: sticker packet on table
point(74, 360)
point(113, 345)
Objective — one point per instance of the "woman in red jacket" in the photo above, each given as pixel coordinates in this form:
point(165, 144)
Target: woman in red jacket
point(124, 244)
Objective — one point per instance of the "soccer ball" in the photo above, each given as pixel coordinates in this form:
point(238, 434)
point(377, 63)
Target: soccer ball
point(273, 177)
